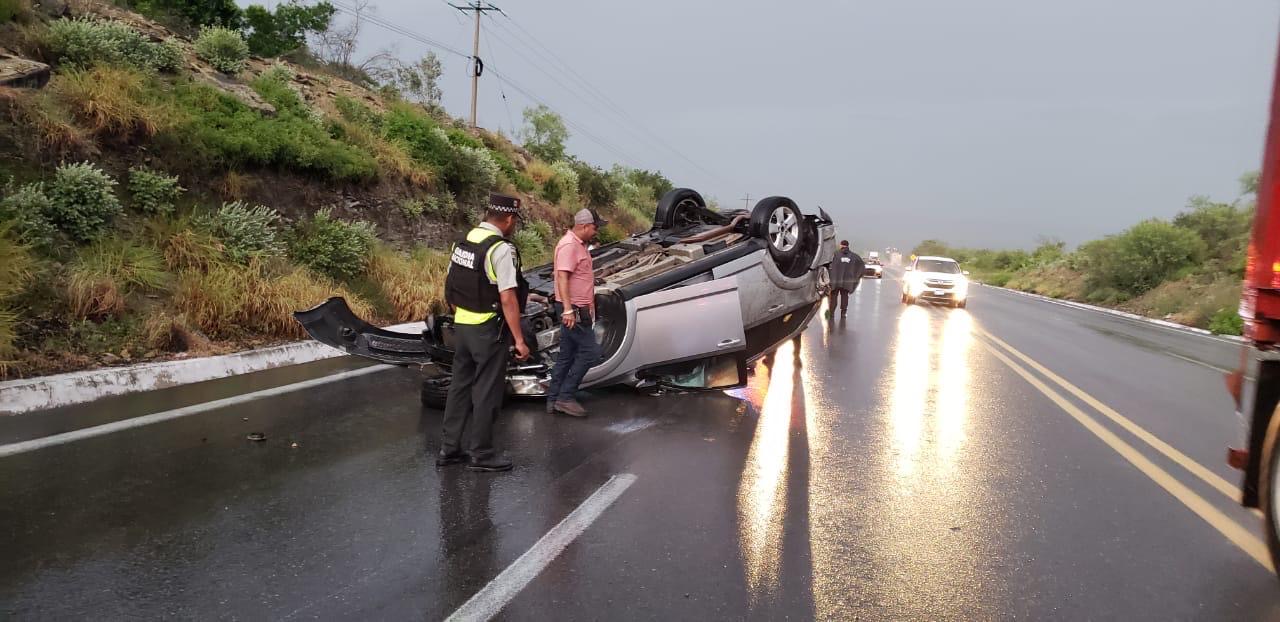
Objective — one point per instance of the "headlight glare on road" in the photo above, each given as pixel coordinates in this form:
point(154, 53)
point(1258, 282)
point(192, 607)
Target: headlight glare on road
point(962, 289)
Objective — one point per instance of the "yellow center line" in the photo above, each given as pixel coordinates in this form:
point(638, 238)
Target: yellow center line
point(1195, 468)
point(1238, 535)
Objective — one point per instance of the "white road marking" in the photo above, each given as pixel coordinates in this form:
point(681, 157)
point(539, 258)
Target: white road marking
point(135, 422)
point(489, 601)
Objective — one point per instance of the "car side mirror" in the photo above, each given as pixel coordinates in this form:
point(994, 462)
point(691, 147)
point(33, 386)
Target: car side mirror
point(964, 272)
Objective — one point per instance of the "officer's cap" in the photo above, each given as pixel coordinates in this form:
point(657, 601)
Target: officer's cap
point(504, 203)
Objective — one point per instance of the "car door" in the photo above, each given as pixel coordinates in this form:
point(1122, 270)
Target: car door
point(690, 336)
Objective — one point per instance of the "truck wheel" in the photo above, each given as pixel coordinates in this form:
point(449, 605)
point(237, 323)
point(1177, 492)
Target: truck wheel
point(1271, 495)
point(435, 392)
point(677, 207)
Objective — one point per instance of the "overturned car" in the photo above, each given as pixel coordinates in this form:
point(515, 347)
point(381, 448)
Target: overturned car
point(686, 304)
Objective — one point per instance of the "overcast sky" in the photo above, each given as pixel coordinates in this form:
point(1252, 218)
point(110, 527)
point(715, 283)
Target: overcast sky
point(983, 122)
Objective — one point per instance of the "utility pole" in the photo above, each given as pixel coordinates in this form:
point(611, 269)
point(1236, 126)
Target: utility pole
point(477, 66)
point(746, 201)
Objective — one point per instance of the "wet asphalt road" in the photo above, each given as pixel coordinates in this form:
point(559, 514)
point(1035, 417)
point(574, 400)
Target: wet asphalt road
point(894, 465)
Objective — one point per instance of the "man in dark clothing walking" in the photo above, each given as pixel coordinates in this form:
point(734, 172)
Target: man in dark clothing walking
point(846, 273)
point(487, 291)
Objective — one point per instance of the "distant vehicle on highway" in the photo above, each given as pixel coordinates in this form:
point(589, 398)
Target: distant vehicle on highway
point(686, 304)
point(874, 269)
point(936, 279)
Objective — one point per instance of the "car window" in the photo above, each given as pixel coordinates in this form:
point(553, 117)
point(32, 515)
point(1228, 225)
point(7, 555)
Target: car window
point(938, 265)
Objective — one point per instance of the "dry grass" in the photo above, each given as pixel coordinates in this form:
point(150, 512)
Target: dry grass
point(16, 268)
point(111, 101)
point(392, 158)
point(102, 275)
point(236, 185)
point(168, 332)
point(1192, 300)
point(540, 171)
point(190, 249)
point(413, 285)
point(229, 300)
point(1052, 281)
point(46, 126)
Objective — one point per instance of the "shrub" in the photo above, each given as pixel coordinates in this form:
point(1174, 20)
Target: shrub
point(472, 175)
point(103, 274)
point(84, 42)
point(222, 129)
point(153, 192)
point(111, 101)
point(14, 9)
point(1140, 258)
point(1226, 322)
point(332, 247)
point(413, 208)
point(223, 48)
point(609, 234)
point(24, 209)
point(82, 201)
point(532, 247)
point(244, 231)
point(425, 140)
point(414, 285)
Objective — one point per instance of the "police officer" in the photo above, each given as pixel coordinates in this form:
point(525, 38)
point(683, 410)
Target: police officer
point(487, 291)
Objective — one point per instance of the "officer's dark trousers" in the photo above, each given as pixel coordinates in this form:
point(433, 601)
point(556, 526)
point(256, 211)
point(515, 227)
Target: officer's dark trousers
point(475, 392)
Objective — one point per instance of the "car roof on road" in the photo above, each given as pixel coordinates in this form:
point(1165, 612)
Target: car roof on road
point(934, 258)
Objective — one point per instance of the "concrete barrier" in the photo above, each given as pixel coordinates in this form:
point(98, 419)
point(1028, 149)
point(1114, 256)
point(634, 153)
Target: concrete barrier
point(30, 394)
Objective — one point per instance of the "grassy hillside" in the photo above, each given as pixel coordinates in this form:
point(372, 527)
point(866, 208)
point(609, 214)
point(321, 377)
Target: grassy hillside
point(1187, 270)
point(168, 195)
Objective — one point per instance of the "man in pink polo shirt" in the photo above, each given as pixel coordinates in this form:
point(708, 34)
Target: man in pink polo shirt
point(576, 293)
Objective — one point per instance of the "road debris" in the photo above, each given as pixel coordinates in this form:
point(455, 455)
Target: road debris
point(256, 436)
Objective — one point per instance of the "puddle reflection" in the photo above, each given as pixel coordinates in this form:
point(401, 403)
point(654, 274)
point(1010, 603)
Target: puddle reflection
point(762, 507)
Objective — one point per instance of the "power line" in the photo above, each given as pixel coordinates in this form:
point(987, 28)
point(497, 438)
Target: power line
point(398, 30)
point(501, 91)
point(526, 92)
point(622, 114)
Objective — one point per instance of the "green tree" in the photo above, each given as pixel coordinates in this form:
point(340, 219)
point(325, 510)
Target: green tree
point(285, 30)
point(544, 133)
point(418, 81)
point(1249, 183)
point(932, 247)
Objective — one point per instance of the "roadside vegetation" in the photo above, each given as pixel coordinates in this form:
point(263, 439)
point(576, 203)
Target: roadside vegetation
point(194, 172)
point(1188, 269)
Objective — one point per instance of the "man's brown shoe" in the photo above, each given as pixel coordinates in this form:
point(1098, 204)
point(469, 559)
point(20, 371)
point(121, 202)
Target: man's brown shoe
point(571, 408)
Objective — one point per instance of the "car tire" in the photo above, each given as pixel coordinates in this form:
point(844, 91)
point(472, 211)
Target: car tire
point(962, 304)
point(676, 206)
point(435, 392)
point(778, 221)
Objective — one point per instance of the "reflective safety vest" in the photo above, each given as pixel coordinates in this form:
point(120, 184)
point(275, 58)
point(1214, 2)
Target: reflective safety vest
point(471, 285)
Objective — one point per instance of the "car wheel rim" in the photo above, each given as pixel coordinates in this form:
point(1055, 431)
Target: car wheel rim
point(784, 229)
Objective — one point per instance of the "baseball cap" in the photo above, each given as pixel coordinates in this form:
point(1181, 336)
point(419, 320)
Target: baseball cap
point(588, 216)
point(844, 242)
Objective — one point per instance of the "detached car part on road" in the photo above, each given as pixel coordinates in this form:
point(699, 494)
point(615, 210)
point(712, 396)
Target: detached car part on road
point(686, 304)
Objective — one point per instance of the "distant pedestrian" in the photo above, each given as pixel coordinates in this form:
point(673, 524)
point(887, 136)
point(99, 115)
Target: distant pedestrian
point(488, 292)
point(846, 273)
point(575, 291)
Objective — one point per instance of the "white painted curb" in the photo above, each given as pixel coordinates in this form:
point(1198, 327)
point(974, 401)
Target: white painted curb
point(1124, 314)
point(28, 394)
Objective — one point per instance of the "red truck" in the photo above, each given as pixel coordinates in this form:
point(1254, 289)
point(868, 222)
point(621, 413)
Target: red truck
point(1256, 384)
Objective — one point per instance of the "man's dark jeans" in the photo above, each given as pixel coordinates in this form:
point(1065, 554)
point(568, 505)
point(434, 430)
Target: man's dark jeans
point(578, 352)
